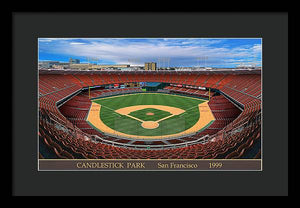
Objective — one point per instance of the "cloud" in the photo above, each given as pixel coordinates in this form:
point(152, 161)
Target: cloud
point(76, 43)
point(45, 40)
point(180, 51)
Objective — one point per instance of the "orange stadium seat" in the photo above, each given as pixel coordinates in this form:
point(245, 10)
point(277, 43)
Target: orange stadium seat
point(64, 131)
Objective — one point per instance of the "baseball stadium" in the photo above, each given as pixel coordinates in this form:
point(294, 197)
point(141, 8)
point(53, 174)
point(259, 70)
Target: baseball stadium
point(113, 114)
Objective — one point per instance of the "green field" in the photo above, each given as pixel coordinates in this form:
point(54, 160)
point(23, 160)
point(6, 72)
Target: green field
point(142, 114)
point(173, 125)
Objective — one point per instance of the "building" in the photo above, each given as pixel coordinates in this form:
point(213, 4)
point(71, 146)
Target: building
point(114, 66)
point(151, 66)
point(80, 66)
point(74, 61)
point(62, 65)
point(86, 66)
point(111, 66)
point(47, 64)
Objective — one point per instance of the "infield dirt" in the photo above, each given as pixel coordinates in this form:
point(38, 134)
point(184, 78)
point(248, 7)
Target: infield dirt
point(205, 118)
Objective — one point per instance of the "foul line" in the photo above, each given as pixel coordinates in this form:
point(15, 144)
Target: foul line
point(196, 106)
point(94, 119)
point(111, 110)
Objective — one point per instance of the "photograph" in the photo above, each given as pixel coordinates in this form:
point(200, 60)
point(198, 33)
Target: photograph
point(150, 104)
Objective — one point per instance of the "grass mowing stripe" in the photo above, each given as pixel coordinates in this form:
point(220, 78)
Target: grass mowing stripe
point(131, 126)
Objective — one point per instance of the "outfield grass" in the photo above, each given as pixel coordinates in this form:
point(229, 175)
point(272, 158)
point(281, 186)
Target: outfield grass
point(124, 124)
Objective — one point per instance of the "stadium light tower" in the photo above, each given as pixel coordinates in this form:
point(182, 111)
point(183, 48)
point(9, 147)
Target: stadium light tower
point(197, 61)
point(164, 62)
point(168, 60)
point(89, 59)
point(133, 61)
point(201, 58)
point(160, 62)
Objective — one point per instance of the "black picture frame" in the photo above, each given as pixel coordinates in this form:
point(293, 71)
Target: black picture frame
point(272, 181)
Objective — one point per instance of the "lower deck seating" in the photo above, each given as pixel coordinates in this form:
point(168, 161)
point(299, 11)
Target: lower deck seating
point(65, 143)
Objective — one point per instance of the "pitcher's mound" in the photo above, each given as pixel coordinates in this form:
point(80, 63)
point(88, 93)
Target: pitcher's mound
point(150, 124)
point(149, 114)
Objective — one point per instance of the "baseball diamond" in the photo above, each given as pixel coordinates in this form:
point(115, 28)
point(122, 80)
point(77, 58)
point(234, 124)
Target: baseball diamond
point(126, 115)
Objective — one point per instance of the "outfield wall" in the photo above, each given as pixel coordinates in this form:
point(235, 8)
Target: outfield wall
point(184, 95)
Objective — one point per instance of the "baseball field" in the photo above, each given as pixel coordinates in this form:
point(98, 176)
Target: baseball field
point(151, 115)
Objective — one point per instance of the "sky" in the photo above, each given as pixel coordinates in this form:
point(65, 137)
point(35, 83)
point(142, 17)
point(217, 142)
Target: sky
point(172, 52)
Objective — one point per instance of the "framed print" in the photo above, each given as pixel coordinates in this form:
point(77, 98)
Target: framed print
point(152, 103)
